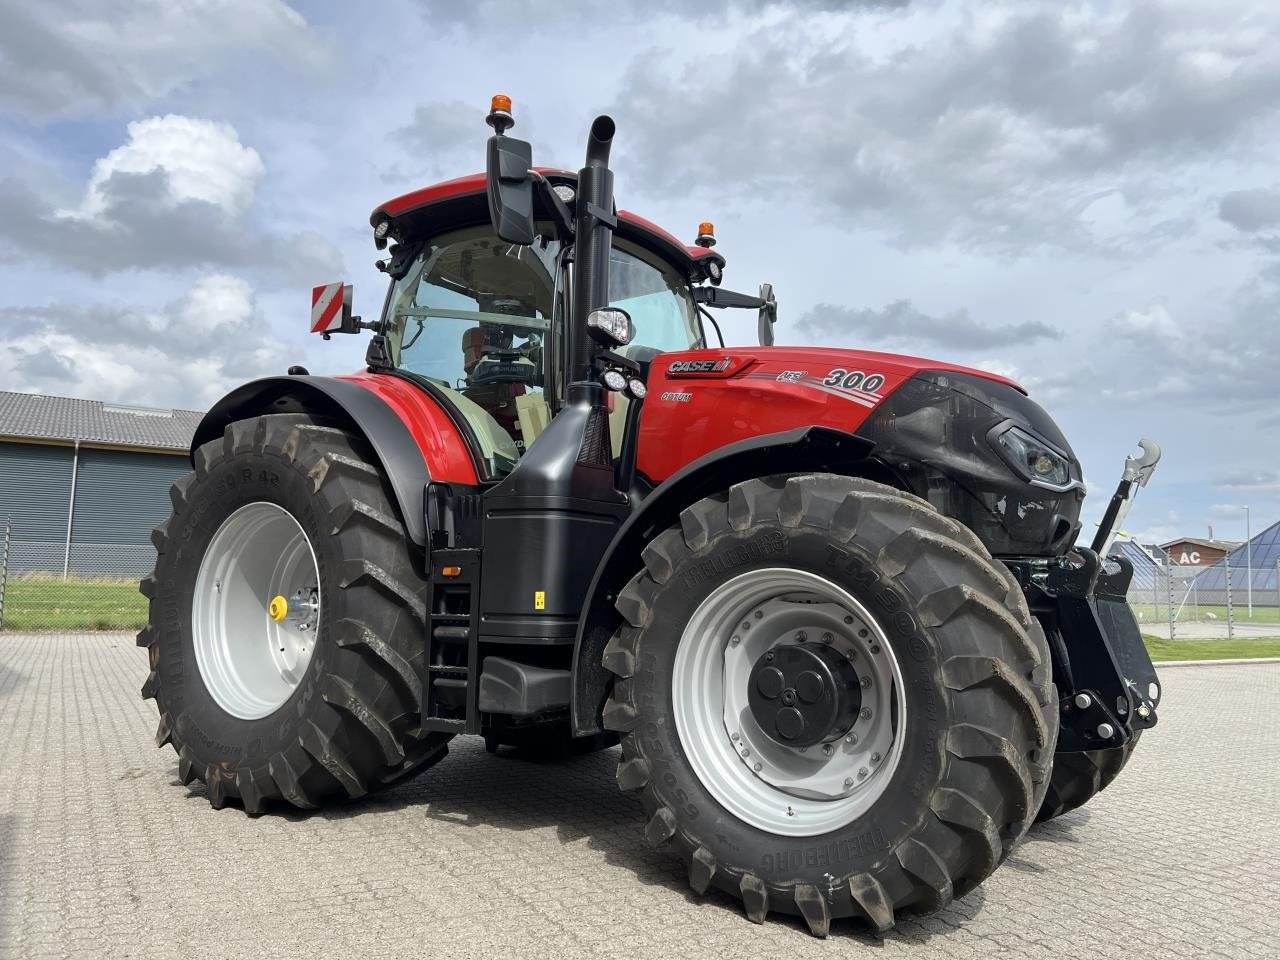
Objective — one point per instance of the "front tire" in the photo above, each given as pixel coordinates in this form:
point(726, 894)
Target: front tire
point(972, 712)
point(322, 702)
point(1079, 777)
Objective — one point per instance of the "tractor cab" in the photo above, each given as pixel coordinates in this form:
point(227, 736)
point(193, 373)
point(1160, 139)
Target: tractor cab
point(481, 322)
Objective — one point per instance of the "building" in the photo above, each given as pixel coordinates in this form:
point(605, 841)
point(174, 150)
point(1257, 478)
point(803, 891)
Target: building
point(83, 482)
point(1197, 552)
point(1252, 569)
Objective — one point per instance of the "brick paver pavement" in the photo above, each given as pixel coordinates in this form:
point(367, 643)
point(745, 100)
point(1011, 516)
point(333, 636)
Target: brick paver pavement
point(103, 852)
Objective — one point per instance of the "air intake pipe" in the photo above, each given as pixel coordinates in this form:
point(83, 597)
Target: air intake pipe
point(594, 232)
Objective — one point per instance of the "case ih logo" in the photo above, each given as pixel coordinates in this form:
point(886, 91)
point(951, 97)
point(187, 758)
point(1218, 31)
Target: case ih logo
point(692, 368)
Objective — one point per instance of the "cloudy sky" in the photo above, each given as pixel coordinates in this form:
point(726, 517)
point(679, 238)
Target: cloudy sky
point(1084, 196)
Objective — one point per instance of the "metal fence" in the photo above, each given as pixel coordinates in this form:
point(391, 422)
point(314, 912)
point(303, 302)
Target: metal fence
point(55, 586)
point(1229, 600)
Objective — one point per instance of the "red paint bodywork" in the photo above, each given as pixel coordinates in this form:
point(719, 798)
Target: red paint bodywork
point(689, 415)
point(443, 446)
point(475, 183)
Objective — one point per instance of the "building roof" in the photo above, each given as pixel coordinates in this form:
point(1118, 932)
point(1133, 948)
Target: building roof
point(1223, 545)
point(38, 417)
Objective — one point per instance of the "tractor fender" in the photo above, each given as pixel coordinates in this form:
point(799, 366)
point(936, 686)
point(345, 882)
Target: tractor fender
point(803, 450)
point(413, 439)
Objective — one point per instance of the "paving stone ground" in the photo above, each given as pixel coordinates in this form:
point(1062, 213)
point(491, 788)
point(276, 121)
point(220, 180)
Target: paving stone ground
point(104, 854)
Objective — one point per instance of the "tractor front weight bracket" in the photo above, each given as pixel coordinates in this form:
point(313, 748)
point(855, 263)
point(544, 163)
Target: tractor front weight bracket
point(1107, 686)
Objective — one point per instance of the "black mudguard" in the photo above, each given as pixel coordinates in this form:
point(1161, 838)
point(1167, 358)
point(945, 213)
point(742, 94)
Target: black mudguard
point(397, 452)
point(807, 449)
point(1107, 684)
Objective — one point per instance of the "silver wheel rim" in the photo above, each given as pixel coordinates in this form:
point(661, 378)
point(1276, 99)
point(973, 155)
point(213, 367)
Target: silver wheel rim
point(251, 662)
point(782, 789)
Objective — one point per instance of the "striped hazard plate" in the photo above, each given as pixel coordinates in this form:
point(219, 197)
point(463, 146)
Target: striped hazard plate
point(327, 303)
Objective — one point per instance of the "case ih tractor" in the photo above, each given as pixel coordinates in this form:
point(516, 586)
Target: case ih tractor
point(830, 601)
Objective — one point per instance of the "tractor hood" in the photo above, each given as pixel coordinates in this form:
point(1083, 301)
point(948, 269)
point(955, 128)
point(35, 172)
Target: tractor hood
point(971, 442)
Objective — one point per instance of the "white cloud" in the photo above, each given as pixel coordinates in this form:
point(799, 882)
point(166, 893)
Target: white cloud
point(186, 353)
point(201, 160)
point(81, 56)
point(178, 193)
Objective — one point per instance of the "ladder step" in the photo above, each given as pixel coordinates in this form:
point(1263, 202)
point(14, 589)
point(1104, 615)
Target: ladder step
point(446, 632)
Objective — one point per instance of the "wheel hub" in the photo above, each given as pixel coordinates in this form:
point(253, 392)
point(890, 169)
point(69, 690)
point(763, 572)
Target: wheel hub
point(804, 694)
point(835, 765)
point(255, 613)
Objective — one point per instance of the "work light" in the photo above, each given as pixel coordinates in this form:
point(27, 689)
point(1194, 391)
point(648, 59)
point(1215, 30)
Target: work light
point(611, 326)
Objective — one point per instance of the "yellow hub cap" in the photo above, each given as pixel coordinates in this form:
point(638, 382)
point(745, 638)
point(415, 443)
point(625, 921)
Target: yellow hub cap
point(278, 608)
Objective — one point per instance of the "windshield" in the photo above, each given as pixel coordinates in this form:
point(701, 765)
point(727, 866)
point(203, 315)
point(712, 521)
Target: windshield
point(656, 297)
point(474, 316)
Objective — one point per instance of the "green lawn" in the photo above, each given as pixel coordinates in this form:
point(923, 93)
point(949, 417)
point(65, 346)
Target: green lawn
point(1148, 612)
point(1247, 649)
point(48, 603)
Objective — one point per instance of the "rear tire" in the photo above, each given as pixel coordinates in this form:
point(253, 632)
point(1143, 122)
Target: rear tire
point(1079, 777)
point(351, 723)
point(977, 724)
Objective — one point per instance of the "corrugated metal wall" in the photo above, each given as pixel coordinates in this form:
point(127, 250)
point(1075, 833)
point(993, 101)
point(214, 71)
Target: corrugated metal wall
point(120, 497)
point(35, 490)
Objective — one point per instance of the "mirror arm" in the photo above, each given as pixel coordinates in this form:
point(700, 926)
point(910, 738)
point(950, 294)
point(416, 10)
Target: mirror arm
point(722, 299)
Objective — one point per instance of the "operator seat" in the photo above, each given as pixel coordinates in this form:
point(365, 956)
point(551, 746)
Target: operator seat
point(497, 399)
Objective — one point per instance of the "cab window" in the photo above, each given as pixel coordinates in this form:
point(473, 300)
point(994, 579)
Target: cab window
point(657, 298)
point(472, 316)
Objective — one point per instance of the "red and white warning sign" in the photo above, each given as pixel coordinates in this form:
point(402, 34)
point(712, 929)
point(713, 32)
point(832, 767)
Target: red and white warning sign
point(327, 303)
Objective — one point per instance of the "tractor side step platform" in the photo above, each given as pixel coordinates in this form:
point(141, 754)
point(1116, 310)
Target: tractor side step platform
point(450, 678)
point(521, 690)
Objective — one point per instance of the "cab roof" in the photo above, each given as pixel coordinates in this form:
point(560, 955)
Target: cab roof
point(463, 200)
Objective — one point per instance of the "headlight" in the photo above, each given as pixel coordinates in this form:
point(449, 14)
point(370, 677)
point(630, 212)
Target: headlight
point(611, 326)
point(1032, 457)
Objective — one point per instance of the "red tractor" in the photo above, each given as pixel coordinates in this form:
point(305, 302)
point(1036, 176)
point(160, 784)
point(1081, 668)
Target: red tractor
point(830, 601)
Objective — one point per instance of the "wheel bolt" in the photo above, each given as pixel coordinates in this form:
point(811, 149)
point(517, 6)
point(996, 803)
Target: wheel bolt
point(848, 619)
point(827, 637)
point(866, 682)
point(746, 751)
point(735, 640)
point(875, 758)
point(865, 714)
point(759, 614)
point(851, 739)
point(827, 749)
point(801, 636)
point(848, 782)
point(735, 737)
point(757, 768)
point(863, 633)
point(769, 655)
point(862, 773)
point(875, 648)
point(746, 625)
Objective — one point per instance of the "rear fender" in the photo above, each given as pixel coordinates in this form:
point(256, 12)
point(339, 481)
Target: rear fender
point(804, 450)
point(413, 439)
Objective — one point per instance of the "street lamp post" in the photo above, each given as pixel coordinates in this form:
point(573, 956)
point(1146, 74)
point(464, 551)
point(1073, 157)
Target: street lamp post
point(1248, 560)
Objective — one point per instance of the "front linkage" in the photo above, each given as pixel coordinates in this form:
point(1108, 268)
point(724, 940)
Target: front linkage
point(1106, 683)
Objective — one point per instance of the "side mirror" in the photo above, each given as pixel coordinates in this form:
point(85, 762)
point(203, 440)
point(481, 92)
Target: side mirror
point(510, 188)
point(768, 315)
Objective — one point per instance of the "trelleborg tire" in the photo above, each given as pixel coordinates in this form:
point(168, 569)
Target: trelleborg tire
point(971, 726)
point(1078, 777)
point(281, 502)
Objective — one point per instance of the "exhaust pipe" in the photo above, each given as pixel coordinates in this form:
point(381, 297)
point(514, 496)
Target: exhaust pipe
point(594, 233)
